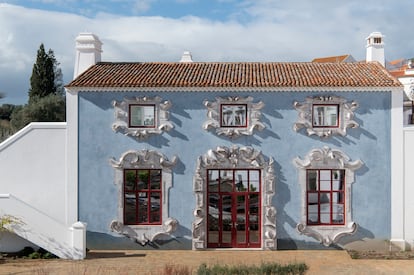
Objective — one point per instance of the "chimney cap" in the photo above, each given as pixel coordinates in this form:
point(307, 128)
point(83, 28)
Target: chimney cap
point(186, 57)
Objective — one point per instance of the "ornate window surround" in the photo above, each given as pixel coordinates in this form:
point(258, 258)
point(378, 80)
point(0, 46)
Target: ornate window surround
point(327, 158)
point(346, 115)
point(144, 159)
point(214, 116)
point(234, 157)
point(122, 111)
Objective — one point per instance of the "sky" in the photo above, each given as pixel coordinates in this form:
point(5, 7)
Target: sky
point(212, 30)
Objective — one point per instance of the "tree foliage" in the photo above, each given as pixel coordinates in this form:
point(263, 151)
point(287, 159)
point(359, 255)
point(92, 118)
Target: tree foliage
point(46, 93)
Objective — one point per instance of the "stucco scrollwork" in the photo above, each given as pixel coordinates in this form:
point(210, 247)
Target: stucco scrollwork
point(234, 157)
point(327, 158)
point(306, 120)
point(160, 124)
point(243, 123)
point(144, 159)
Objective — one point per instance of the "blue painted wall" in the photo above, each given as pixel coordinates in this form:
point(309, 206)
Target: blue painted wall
point(98, 198)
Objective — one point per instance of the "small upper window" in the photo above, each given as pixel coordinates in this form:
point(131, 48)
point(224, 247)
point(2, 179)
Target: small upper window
point(233, 116)
point(325, 115)
point(141, 116)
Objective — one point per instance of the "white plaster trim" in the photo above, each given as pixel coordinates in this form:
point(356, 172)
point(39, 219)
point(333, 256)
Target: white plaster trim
point(162, 122)
point(327, 158)
point(346, 115)
point(253, 116)
point(144, 159)
point(397, 167)
point(234, 157)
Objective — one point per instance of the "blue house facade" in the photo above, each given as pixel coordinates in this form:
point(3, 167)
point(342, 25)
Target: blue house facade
point(193, 155)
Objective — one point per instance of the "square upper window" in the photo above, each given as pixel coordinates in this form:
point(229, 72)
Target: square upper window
point(141, 116)
point(325, 116)
point(233, 115)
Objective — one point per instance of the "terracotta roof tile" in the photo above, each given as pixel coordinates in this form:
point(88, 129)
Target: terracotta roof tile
point(228, 74)
point(331, 59)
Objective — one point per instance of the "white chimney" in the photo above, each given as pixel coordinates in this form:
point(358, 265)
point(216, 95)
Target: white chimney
point(375, 48)
point(186, 57)
point(88, 52)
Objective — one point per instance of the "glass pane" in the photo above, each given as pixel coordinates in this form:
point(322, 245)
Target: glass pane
point(312, 198)
point(213, 180)
point(325, 185)
point(143, 179)
point(213, 229)
point(325, 174)
point(130, 180)
point(338, 177)
point(338, 197)
point(312, 180)
point(226, 180)
point(313, 216)
point(226, 219)
point(253, 218)
point(338, 218)
point(142, 207)
point(130, 208)
point(254, 204)
point(324, 198)
point(142, 115)
point(155, 179)
point(325, 115)
point(241, 181)
point(326, 218)
point(254, 233)
point(233, 115)
point(254, 181)
point(155, 210)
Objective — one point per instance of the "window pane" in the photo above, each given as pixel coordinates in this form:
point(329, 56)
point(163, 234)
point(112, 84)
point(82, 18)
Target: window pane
point(213, 180)
point(142, 115)
point(130, 180)
point(130, 208)
point(312, 180)
point(325, 174)
point(325, 198)
point(313, 198)
point(325, 115)
point(226, 180)
point(254, 176)
point(241, 181)
point(155, 207)
point(155, 179)
point(143, 176)
point(233, 115)
point(142, 207)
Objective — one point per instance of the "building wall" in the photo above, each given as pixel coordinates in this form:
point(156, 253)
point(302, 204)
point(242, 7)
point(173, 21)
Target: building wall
point(98, 197)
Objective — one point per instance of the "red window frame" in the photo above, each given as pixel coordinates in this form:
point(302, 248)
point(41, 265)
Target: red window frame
point(316, 197)
point(325, 126)
point(144, 198)
point(224, 188)
point(141, 126)
point(233, 126)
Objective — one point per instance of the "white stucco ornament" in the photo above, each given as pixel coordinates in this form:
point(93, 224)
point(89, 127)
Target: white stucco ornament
point(233, 116)
point(234, 158)
point(327, 158)
point(154, 116)
point(307, 116)
point(144, 159)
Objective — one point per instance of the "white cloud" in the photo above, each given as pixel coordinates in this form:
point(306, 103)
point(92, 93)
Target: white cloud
point(259, 31)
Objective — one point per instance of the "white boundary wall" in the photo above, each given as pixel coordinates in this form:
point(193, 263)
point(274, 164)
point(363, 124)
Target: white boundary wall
point(409, 186)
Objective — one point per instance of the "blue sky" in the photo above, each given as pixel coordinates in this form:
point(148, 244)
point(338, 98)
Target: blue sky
point(213, 30)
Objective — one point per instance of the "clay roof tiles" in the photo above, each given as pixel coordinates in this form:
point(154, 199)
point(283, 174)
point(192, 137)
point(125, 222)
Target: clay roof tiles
point(235, 74)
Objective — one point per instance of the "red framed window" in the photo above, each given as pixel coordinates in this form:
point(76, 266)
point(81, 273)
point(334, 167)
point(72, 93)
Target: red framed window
point(233, 115)
point(325, 115)
point(142, 116)
point(325, 196)
point(142, 196)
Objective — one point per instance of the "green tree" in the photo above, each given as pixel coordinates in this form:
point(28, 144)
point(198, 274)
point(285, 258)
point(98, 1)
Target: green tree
point(46, 93)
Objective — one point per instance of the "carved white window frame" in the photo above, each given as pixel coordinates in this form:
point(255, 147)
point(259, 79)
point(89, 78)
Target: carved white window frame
point(345, 116)
point(234, 157)
point(327, 158)
point(214, 116)
point(144, 159)
point(122, 110)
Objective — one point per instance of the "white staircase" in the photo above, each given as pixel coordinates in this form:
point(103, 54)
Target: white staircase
point(67, 242)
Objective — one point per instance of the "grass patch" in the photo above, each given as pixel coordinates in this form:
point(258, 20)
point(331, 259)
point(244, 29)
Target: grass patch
point(264, 268)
